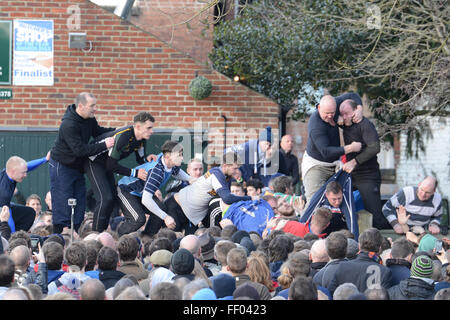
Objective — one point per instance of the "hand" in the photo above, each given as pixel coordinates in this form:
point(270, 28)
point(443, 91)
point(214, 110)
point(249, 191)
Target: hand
point(109, 142)
point(358, 114)
point(340, 121)
point(225, 222)
point(355, 146)
point(151, 157)
point(412, 237)
point(39, 255)
point(142, 174)
point(48, 155)
point(4, 214)
point(170, 222)
point(158, 194)
point(434, 228)
point(402, 215)
point(349, 166)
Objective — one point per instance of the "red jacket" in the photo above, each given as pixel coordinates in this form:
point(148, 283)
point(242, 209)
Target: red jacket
point(299, 229)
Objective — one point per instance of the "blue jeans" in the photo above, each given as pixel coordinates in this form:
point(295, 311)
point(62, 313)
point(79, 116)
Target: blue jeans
point(65, 183)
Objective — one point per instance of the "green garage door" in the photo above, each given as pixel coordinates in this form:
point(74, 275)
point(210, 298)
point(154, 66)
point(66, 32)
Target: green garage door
point(31, 145)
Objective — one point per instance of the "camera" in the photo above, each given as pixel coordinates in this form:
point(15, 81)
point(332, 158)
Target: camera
point(35, 239)
point(72, 202)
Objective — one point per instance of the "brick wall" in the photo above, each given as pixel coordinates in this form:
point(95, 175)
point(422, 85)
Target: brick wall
point(128, 70)
point(180, 23)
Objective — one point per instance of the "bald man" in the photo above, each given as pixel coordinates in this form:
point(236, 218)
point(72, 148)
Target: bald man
point(288, 161)
point(415, 206)
point(21, 217)
point(323, 148)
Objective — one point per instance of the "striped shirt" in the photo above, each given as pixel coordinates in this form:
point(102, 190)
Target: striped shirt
point(422, 212)
point(157, 176)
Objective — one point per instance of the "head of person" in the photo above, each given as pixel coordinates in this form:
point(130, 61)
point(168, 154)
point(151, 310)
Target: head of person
point(92, 289)
point(221, 249)
point(333, 193)
point(86, 105)
point(48, 200)
point(237, 261)
point(336, 245)
point(282, 184)
point(280, 247)
point(272, 201)
point(302, 288)
point(402, 249)
point(287, 143)
point(230, 164)
point(107, 259)
point(182, 262)
point(75, 256)
point(7, 269)
point(143, 125)
point(46, 218)
point(254, 187)
point(16, 168)
point(347, 110)
point(195, 168)
point(318, 252)
point(237, 189)
point(128, 247)
point(426, 188)
point(53, 254)
point(327, 108)
point(284, 208)
point(265, 139)
point(370, 240)
point(320, 220)
point(172, 153)
point(34, 201)
point(192, 244)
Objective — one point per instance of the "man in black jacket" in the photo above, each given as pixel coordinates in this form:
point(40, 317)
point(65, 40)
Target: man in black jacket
point(101, 168)
point(323, 148)
point(67, 157)
point(363, 164)
point(366, 271)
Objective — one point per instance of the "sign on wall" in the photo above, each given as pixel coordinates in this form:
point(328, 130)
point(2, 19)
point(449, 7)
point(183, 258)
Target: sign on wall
point(5, 52)
point(33, 53)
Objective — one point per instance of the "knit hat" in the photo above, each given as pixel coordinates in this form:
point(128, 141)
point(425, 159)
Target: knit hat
point(238, 235)
point(427, 243)
point(161, 257)
point(422, 267)
point(161, 275)
point(246, 290)
point(204, 294)
point(266, 135)
point(182, 262)
point(223, 285)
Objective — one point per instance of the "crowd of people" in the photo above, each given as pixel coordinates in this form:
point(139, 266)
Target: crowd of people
point(235, 232)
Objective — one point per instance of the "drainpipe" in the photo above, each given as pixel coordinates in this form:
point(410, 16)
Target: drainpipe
point(124, 9)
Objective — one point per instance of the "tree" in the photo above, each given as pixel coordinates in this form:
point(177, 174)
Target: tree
point(394, 51)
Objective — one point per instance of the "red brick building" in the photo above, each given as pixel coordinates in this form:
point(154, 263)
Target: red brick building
point(128, 70)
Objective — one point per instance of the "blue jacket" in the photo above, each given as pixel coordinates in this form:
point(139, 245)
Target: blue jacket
point(400, 269)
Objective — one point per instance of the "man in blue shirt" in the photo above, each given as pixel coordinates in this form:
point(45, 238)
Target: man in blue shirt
point(16, 170)
point(137, 198)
